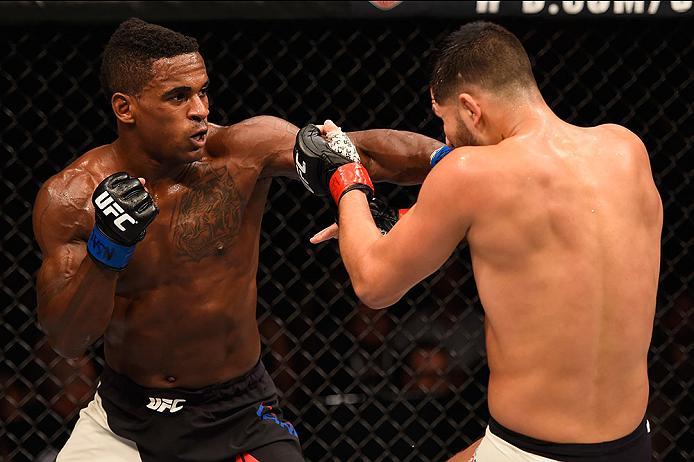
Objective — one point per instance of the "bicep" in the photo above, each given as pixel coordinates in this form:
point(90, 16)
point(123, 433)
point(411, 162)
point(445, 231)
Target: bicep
point(59, 264)
point(276, 143)
point(61, 231)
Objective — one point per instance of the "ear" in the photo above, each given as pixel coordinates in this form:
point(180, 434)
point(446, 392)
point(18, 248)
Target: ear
point(122, 105)
point(470, 108)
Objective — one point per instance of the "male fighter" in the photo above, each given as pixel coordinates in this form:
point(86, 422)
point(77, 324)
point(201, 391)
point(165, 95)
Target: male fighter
point(563, 224)
point(152, 242)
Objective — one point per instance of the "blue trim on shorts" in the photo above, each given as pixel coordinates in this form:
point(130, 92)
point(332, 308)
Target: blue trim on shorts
point(264, 414)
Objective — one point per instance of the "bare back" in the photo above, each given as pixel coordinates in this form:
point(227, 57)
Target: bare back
point(566, 258)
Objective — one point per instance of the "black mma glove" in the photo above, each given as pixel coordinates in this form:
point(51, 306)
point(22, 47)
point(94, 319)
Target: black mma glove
point(385, 216)
point(329, 166)
point(123, 210)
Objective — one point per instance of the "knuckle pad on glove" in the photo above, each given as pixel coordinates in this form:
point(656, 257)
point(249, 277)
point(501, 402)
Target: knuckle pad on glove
point(310, 158)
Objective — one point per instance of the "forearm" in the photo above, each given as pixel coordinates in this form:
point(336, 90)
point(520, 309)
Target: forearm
point(358, 235)
point(74, 312)
point(395, 156)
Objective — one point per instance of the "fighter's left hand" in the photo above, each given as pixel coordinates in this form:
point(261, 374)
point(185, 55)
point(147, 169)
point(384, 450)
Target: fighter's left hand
point(329, 165)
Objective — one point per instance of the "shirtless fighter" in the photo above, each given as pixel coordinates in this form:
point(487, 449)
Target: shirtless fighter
point(152, 242)
point(563, 224)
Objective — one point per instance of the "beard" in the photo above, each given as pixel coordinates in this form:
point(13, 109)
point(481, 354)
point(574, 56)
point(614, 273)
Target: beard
point(464, 137)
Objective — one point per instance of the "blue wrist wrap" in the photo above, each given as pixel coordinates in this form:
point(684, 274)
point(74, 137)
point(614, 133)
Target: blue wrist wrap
point(439, 154)
point(108, 253)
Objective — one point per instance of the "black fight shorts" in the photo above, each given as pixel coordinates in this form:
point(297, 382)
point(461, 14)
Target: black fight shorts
point(238, 420)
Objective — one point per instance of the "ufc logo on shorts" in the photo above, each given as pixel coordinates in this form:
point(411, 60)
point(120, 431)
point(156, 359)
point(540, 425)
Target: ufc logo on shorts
point(162, 404)
point(109, 207)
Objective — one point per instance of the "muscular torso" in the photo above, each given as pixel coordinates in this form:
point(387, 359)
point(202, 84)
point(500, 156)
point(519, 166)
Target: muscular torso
point(566, 258)
point(185, 306)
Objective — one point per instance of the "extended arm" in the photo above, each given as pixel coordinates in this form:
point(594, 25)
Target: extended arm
point(395, 156)
point(389, 155)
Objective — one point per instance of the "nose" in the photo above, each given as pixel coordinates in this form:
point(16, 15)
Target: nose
point(199, 108)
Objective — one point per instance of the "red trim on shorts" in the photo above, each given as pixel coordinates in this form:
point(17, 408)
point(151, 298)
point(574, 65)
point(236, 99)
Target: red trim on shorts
point(246, 458)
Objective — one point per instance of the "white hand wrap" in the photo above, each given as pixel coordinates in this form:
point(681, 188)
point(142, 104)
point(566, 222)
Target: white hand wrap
point(341, 144)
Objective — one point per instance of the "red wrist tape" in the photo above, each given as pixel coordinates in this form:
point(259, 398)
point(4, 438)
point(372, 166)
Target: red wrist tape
point(346, 176)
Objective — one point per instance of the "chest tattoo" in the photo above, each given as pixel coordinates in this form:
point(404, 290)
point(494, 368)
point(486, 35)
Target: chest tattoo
point(207, 218)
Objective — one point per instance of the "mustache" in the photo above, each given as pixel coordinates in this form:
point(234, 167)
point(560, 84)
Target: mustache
point(200, 128)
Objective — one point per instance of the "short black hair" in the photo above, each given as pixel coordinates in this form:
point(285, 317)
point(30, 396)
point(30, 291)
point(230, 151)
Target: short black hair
point(484, 54)
point(127, 62)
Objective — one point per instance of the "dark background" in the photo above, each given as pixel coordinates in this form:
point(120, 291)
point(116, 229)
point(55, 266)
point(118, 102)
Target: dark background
point(406, 383)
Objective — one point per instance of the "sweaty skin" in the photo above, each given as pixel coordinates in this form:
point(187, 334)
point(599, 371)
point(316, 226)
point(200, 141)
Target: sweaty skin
point(183, 312)
point(563, 225)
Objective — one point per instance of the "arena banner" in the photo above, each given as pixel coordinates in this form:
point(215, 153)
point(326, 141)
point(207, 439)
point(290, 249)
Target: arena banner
point(93, 11)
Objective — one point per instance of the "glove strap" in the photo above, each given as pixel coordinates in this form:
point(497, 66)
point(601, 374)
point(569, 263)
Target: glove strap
point(107, 253)
point(439, 154)
point(350, 176)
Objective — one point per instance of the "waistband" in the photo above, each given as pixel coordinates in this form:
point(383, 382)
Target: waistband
point(571, 451)
point(112, 381)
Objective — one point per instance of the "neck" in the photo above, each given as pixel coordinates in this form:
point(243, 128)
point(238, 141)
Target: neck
point(138, 163)
point(520, 117)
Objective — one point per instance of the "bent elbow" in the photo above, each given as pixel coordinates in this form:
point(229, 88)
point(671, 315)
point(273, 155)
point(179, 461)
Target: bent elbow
point(64, 345)
point(67, 345)
point(67, 350)
point(371, 295)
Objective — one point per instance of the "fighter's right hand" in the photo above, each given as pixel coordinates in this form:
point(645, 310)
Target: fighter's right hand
point(384, 215)
point(123, 210)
